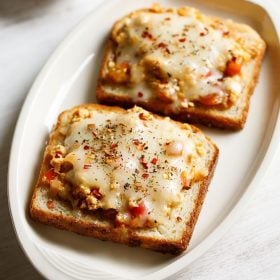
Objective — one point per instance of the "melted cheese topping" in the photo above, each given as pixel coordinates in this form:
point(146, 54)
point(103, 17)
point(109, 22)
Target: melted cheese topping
point(130, 159)
point(177, 56)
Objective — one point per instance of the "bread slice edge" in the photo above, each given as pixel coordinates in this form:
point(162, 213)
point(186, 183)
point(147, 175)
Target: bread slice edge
point(90, 225)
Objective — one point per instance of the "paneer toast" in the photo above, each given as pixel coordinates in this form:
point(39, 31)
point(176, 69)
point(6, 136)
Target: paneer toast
point(184, 64)
point(128, 176)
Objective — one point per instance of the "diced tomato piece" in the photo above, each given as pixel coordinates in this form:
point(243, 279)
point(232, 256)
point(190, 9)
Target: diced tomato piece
point(210, 99)
point(154, 161)
point(96, 193)
point(50, 175)
point(139, 210)
point(233, 68)
point(145, 175)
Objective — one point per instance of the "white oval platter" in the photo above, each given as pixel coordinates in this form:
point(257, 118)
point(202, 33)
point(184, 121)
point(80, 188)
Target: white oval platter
point(69, 78)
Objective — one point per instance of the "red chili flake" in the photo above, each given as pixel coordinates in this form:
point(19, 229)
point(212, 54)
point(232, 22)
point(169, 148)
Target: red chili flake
point(91, 127)
point(144, 164)
point(178, 219)
point(50, 204)
point(87, 166)
point(58, 154)
point(139, 145)
point(202, 34)
point(146, 34)
point(114, 145)
point(50, 175)
point(168, 18)
point(182, 40)
point(145, 175)
point(96, 193)
point(167, 50)
point(162, 45)
point(140, 94)
point(86, 147)
point(136, 141)
point(225, 33)
point(154, 161)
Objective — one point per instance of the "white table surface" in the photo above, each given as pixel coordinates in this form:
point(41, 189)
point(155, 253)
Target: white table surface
point(29, 32)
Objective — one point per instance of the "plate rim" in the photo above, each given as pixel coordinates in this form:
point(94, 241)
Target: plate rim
point(274, 144)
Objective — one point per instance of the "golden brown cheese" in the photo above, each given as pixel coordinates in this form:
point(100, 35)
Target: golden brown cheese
point(180, 57)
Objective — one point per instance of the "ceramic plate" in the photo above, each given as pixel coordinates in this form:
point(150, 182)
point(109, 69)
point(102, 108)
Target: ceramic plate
point(69, 78)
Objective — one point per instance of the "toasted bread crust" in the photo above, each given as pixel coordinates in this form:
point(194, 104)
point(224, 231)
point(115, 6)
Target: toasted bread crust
point(121, 234)
point(199, 114)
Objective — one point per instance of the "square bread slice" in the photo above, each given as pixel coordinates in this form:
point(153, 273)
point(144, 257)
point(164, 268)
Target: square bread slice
point(182, 63)
point(127, 176)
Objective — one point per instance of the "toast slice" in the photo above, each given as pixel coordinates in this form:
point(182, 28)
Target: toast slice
point(182, 63)
point(127, 176)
